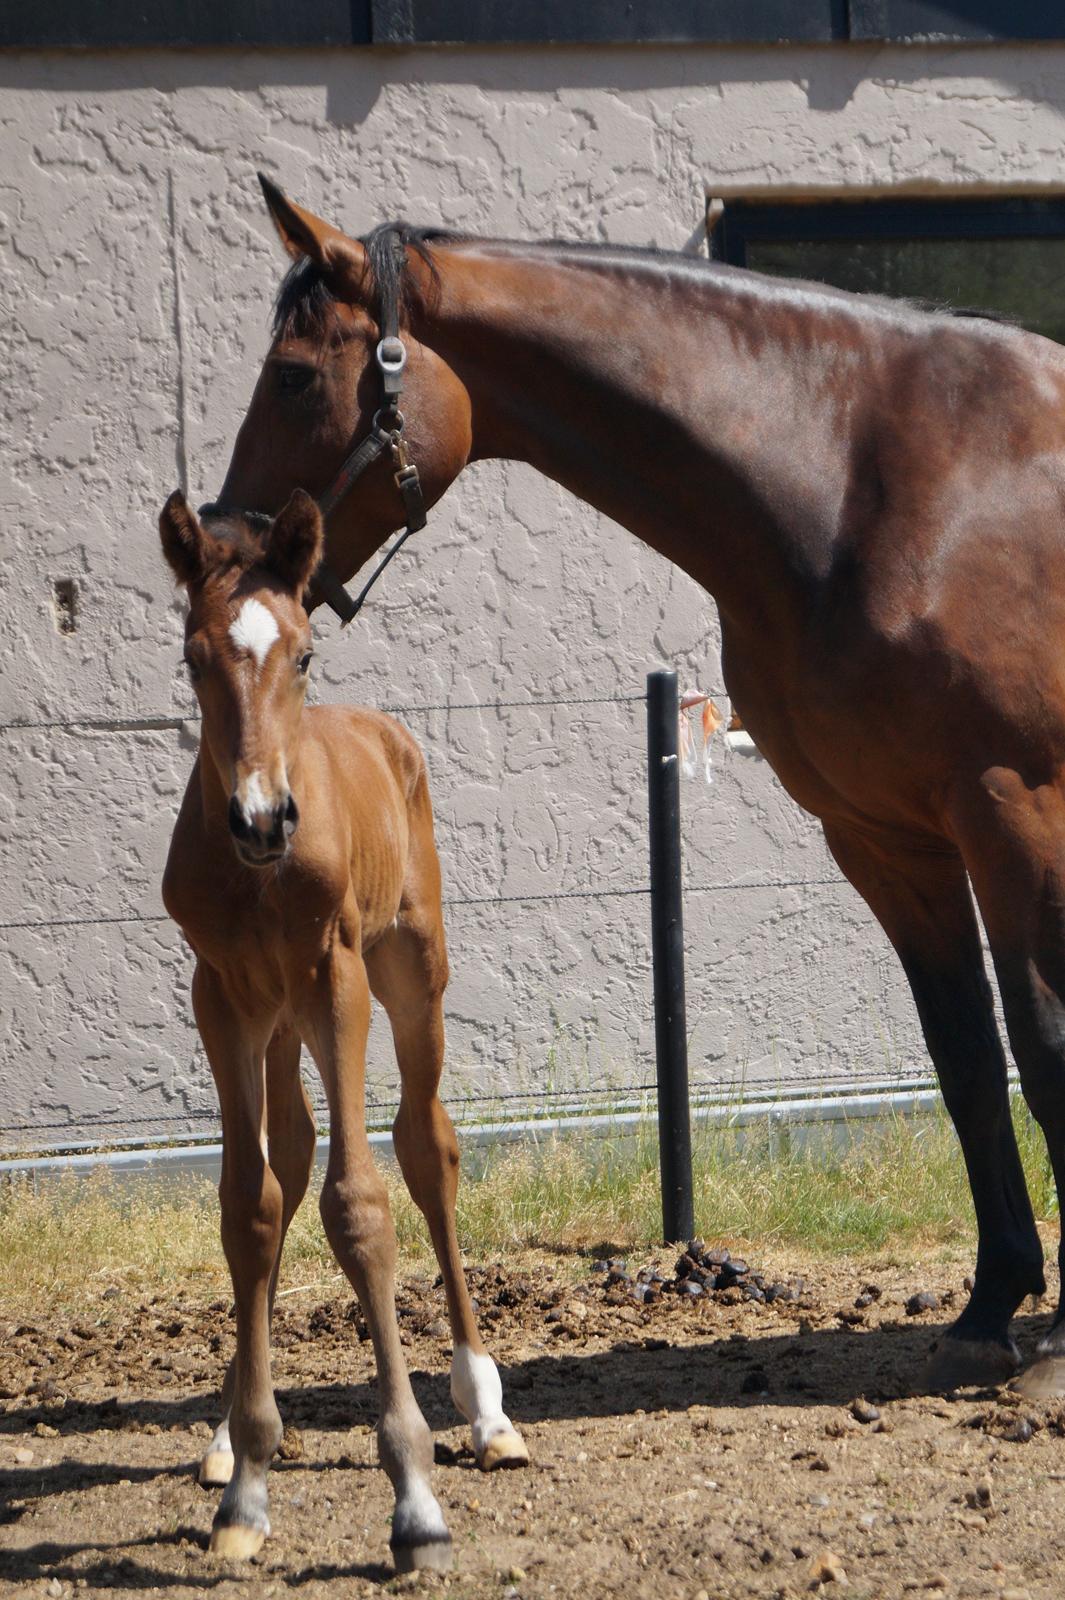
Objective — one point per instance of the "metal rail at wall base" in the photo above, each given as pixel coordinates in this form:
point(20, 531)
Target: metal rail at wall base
point(847, 1111)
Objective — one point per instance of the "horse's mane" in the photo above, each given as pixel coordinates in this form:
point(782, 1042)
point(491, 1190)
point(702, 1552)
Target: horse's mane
point(305, 307)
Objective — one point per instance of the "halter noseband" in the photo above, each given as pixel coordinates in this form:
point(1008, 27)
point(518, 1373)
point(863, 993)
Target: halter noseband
point(386, 433)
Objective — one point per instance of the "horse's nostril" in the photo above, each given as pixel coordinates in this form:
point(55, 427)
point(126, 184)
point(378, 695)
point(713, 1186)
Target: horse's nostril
point(292, 815)
point(238, 827)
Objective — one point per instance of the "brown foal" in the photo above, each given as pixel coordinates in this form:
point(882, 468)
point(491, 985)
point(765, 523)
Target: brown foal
point(303, 873)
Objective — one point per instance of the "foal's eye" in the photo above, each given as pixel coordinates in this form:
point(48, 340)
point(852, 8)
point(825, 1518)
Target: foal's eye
point(303, 665)
point(192, 669)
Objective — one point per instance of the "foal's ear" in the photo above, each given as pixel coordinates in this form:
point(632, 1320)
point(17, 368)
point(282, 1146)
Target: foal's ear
point(184, 541)
point(341, 259)
point(294, 543)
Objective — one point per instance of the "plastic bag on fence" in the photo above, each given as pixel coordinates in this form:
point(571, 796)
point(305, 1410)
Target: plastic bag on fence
point(711, 721)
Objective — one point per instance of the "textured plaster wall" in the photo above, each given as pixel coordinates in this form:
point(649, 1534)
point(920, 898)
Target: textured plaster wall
point(138, 268)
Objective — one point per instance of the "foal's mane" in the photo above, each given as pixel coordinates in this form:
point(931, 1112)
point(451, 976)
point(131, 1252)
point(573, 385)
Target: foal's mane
point(305, 307)
point(235, 544)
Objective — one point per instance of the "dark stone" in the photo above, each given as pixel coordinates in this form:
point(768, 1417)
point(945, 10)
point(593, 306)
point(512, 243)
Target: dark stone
point(918, 1303)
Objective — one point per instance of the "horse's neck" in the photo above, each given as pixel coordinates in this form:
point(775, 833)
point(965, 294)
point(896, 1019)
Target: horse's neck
point(676, 404)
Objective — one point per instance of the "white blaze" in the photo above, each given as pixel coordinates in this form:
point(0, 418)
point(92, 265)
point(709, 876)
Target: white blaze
point(254, 798)
point(255, 629)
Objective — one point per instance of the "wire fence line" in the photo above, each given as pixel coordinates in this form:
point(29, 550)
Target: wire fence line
point(134, 918)
point(173, 721)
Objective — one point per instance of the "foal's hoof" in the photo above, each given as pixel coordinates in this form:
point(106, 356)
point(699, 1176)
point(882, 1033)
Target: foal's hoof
point(235, 1542)
point(216, 1469)
point(1044, 1379)
point(432, 1556)
point(970, 1363)
point(506, 1448)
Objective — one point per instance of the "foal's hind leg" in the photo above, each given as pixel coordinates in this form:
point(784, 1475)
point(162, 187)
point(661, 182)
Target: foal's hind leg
point(408, 971)
point(354, 1206)
point(290, 1133)
point(1017, 863)
point(922, 900)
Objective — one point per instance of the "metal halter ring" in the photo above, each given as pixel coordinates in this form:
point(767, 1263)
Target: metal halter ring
point(395, 423)
point(391, 354)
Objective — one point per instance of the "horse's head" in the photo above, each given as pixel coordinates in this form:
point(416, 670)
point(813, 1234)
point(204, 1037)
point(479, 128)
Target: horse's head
point(320, 386)
point(248, 650)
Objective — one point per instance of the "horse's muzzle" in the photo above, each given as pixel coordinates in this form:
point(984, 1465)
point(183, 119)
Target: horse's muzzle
point(263, 838)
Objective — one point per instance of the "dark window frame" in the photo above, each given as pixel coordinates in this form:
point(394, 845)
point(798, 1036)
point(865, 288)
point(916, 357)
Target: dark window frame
point(111, 24)
point(1009, 217)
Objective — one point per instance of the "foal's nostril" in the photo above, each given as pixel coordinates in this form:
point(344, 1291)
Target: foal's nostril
point(291, 816)
point(238, 826)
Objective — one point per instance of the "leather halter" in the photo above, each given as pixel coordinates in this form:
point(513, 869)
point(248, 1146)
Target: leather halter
point(386, 433)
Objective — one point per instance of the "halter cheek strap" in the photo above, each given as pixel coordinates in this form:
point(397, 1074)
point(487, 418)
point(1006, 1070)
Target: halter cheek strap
point(386, 433)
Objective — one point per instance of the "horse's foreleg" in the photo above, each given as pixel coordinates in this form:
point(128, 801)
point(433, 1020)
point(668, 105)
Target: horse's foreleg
point(291, 1138)
point(358, 1224)
point(1017, 865)
point(251, 1236)
point(921, 899)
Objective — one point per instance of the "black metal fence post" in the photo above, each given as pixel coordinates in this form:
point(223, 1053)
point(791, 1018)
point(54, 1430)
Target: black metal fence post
point(667, 953)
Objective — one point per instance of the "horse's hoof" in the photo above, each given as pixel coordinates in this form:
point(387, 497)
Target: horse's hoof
point(216, 1469)
point(1043, 1380)
point(971, 1363)
point(235, 1542)
point(432, 1556)
point(504, 1449)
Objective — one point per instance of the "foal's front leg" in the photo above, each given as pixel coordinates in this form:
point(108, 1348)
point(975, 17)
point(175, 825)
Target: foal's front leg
point(291, 1139)
point(251, 1237)
point(354, 1206)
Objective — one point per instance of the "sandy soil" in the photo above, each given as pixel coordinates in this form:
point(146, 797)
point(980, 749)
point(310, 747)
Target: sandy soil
point(701, 1448)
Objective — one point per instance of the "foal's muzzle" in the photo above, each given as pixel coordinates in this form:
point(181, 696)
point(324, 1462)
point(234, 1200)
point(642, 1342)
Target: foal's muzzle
point(264, 836)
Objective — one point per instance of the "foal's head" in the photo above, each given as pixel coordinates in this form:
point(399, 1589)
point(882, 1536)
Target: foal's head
point(248, 650)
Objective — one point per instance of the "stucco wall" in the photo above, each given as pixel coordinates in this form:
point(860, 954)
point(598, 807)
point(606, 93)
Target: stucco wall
point(138, 271)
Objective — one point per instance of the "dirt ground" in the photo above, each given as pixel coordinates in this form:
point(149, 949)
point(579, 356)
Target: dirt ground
point(692, 1448)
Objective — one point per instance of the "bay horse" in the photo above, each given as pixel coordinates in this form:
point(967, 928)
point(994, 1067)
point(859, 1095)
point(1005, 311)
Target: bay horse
point(303, 874)
point(874, 494)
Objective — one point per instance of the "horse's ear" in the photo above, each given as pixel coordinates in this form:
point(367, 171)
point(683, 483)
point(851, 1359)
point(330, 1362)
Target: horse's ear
point(303, 234)
point(294, 543)
point(184, 541)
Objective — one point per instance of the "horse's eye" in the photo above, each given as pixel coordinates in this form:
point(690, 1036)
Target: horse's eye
point(303, 665)
point(192, 669)
point(294, 380)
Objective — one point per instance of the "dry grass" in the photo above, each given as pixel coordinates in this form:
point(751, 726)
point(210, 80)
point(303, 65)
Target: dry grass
point(903, 1190)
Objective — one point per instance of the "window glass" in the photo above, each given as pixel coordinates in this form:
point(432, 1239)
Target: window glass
point(1022, 278)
